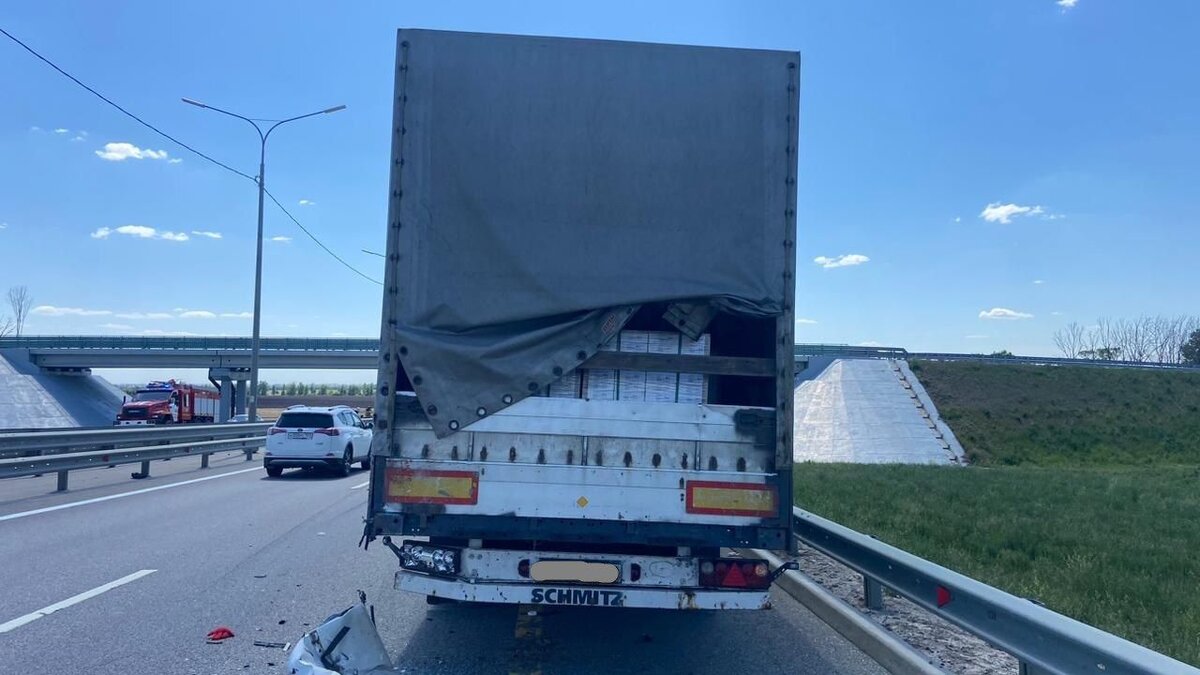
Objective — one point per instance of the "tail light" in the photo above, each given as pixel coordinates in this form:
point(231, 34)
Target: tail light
point(276, 430)
point(735, 573)
point(331, 431)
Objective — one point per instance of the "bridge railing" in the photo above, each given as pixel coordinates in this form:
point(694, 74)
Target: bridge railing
point(42, 342)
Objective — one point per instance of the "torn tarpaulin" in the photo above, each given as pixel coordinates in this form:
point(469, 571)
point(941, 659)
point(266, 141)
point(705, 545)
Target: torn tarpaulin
point(345, 644)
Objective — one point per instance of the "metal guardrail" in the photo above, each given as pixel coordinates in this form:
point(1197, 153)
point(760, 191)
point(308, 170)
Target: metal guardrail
point(31, 454)
point(853, 352)
point(56, 441)
point(1043, 641)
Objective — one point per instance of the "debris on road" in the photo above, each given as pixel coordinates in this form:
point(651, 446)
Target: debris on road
point(346, 642)
point(218, 634)
point(272, 645)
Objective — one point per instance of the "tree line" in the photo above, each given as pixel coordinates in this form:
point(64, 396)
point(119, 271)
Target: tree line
point(19, 304)
point(1146, 339)
point(307, 389)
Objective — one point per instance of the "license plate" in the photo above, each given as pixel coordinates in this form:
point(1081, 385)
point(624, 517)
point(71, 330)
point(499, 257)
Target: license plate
point(300, 434)
point(587, 597)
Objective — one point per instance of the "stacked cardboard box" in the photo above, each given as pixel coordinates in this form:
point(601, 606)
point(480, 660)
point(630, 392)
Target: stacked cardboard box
point(655, 387)
point(601, 384)
point(662, 387)
point(631, 385)
point(693, 387)
point(567, 386)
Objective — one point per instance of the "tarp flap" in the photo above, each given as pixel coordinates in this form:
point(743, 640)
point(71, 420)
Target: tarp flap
point(549, 186)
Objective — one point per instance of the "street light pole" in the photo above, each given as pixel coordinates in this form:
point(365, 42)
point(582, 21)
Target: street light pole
point(252, 409)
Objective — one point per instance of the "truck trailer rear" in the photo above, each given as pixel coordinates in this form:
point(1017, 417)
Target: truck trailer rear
point(586, 367)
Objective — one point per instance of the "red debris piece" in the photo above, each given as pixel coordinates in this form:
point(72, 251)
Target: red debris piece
point(943, 596)
point(219, 633)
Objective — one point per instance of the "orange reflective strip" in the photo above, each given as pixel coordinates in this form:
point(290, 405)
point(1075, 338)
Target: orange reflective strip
point(731, 499)
point(408, 486)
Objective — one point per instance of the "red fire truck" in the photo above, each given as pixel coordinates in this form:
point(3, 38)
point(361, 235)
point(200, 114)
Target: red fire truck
point(169, 402)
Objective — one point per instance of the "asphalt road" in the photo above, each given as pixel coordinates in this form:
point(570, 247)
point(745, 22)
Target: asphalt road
point(271, 558)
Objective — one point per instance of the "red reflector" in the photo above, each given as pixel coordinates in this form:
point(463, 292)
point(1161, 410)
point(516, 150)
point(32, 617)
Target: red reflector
point(735, 578)
point(943, 596)
point(327, 432)
point(276, 430)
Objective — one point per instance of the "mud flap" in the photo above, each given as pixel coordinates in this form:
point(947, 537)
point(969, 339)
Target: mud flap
point(345, 644)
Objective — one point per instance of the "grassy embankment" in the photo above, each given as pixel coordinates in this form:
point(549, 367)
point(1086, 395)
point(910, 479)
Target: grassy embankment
point(1084, 494)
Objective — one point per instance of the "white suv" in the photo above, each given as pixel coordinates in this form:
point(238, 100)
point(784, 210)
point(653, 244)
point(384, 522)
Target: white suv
point(307, 436)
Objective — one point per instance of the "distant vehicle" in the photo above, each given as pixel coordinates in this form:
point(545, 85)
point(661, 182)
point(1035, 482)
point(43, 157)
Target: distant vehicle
point(244, 417)
point(169, 402)
point(310, 437)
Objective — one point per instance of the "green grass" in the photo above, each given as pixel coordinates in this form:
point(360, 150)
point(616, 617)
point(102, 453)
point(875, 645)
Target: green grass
point(1007, 415)
point(1117, 547)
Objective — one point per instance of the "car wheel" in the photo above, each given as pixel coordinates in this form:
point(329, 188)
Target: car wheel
point(274, 471)
point(365, 464)
point(347, 460)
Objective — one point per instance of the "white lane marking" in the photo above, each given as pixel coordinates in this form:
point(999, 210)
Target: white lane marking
point(73, 600)
point(22, 514)
point(360, 485)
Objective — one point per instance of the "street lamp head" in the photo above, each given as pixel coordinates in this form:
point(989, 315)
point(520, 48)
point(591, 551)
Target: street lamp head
point(189, 101)
point(334, 109)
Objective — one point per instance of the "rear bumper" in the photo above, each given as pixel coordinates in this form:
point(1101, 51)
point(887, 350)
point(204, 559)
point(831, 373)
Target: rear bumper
point(133, 423)
point(582, 595)
point(298, 462)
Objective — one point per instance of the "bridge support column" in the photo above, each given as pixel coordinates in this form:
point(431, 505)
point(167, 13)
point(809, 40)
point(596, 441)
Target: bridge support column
point(222, 379)
point(240, 400)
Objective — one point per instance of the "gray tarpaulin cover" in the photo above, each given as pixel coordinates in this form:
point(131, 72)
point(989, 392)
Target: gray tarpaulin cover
point(544, 188)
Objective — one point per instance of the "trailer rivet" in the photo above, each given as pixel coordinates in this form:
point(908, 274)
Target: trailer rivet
point(432, 410)
point(533, 386)
point(507, 398)
point(481, 411)
point(417, 380)
point(558, 371)
point(453, 425)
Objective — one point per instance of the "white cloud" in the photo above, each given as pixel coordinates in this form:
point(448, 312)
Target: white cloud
point(119, 152)
point(1053, 216)
point(236, 315)
point(870, 343)
point(1003, 313)
point(1056, 313)
point(61, 130)
point(1038, 282)
point(139, 232)
point(339, 335)
point(207, 233)
point(807, 322)
point(197, 314)
point(116, 326)
point(3, 226)
point(51, 310)
point(958, 219)
point(306, 202)
point(1004, 213)
point(1066, 4)
point(174, 160)
point(144, 315)
point(281, 239)
point(841, 260)
point(78, 138)
point(976, 337)
point(35, 129)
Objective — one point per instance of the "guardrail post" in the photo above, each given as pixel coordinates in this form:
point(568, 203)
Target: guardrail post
point(249, 454)
point(62, 481)
point(204, 461)
point(872, 593)
point(145, 469)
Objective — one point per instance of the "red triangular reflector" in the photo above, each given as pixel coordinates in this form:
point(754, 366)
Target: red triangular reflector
point(734, 576)
point(943, 596)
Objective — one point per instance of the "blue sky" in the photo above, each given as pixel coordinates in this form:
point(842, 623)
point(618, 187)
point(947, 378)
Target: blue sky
point(957, 153)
